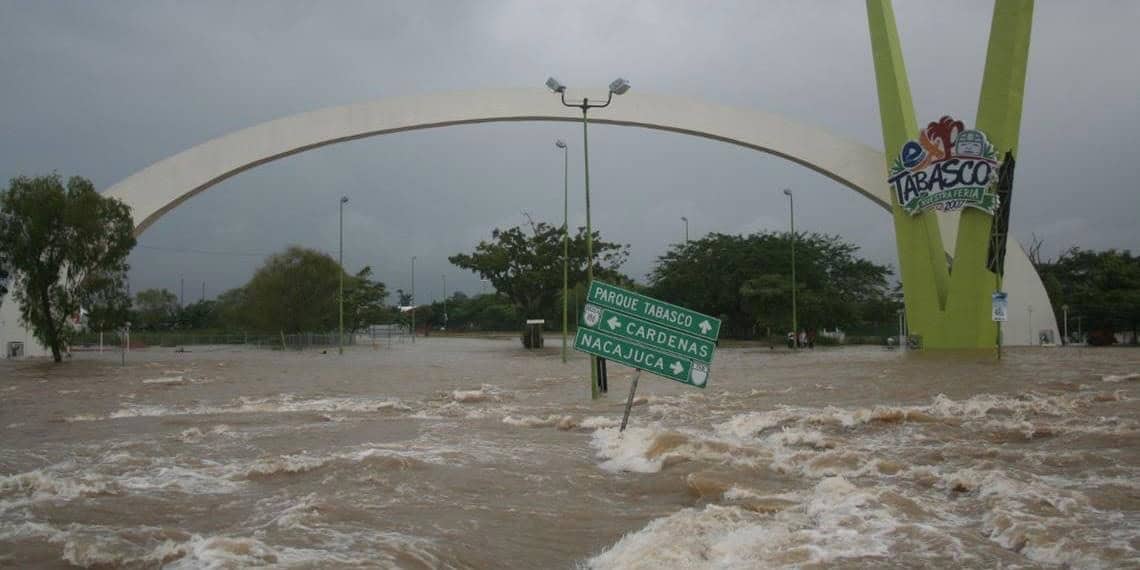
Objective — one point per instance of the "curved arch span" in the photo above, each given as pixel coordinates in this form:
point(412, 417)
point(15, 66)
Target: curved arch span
point(164, 185)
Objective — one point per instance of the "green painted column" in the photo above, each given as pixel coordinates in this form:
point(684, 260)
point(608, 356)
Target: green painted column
point(922, 259)
point(968, 323)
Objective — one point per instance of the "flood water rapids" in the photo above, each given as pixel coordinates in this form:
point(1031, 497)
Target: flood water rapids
point(476, 453)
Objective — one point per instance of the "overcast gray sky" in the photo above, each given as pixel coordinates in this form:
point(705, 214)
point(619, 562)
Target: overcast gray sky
point(103, 89)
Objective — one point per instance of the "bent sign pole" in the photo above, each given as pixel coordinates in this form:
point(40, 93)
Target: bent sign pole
point(647, 334)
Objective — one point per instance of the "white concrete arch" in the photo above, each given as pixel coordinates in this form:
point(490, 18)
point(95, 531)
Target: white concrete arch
point(164, 185)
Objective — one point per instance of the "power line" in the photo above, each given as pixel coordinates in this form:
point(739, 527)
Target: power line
point(205, 251)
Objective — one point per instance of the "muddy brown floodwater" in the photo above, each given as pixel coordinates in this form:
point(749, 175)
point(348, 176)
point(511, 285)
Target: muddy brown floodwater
point(473, 453)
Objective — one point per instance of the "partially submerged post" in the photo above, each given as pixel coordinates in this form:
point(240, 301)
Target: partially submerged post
point(532, 333)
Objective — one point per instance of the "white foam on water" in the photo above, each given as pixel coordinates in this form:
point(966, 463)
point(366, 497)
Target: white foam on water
point(562, 422)
point(46, 485)
point(1120, 377)
point(598, 422)
point(165, 380)
point(833, 521)
point(243, 405)
point(485, 393)
point(626, 451)
point(285, 464)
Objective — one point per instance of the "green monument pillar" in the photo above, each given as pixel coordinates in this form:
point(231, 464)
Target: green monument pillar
point(948, 302)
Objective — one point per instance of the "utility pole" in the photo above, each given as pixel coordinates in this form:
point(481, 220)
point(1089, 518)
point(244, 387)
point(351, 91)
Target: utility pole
point(565, 238)
point(340, 262)
point(413, 299)
point(792, 210)
point(618, 87)
point(181, 291)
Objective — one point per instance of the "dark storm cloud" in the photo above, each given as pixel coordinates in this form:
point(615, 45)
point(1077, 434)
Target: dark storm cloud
point(104, 89)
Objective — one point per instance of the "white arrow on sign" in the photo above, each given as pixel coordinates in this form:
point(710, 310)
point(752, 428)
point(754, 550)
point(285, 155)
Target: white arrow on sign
point(705, 327)
point(614, 323)
point(677, 368)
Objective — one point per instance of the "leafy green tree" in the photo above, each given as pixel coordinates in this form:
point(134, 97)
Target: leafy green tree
point(65, 247)
point(1101, 287)
point(4, 275)
point(746, 281)
point(232, 309)
point(295, 291)
point(156, 309)
point(199, 315)
point(364, 301)
point(403, 298)
point(527, 267)
point(108, 307)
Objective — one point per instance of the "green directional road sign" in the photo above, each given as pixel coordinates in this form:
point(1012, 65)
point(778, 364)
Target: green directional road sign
point(648, 333)
point(652, 310)
point(638, 356)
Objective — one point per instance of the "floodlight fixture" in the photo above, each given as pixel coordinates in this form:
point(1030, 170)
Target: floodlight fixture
point(560, 143)
point(619, 86)
point(554, 85)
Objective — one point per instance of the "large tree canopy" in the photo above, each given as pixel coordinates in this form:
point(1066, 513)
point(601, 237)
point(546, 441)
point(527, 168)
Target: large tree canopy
point(156, 309)
point(527, 266)
point(364, 301)
point(67, 248)
point(294, 291)
point(1102, 288)
point(746, 280)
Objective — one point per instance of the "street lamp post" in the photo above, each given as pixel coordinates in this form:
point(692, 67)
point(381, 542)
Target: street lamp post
point(686, 220)
point(413, 299)
point(565, 239)
point(444, 278)
point(792, 210)
point(618, 87)
point(340, 261)
point(1030, 307)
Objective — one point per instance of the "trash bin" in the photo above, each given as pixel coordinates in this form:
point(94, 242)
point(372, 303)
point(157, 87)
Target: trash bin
point(532, 333)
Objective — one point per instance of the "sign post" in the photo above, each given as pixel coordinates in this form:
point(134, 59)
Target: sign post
point(629, 402)
point(999, 312)
point(647, 334)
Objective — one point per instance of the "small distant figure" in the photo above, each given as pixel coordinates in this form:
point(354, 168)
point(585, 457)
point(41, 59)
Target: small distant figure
point(811, 338)
point(803, 338)
point(791, 338)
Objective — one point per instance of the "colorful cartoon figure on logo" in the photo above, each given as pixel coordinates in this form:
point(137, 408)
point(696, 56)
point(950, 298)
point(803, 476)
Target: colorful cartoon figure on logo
point(949, 167)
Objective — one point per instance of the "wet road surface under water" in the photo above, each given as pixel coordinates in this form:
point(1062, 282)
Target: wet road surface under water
point(474, 453)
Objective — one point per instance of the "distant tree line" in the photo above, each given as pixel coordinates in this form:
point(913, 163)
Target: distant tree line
point(744, 280)
point(747, 282)
point(293, 291)
point(1101, 288)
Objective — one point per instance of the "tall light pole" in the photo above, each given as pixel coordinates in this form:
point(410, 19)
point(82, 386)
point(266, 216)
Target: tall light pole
point(686, 220)
point(1030, 307)
point(181, 291)
point(565, 239)
point(340, 262)
point(444, 278)
point(618, 87)
point(413, 299)
point(792, 210)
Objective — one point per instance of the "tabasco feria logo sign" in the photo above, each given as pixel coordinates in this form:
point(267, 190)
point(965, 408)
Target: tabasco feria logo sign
point(949, 167)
